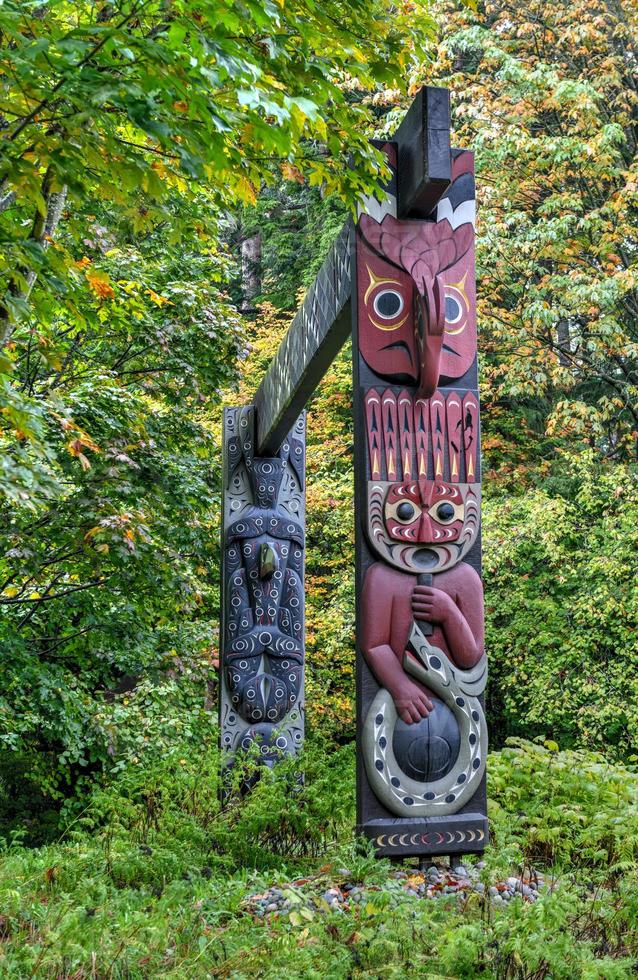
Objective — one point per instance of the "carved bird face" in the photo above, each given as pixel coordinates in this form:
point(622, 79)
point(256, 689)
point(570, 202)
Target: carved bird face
point(417, 302)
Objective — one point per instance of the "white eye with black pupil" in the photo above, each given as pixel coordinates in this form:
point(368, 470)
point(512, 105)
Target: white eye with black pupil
point(388, 304)
point(406, 511)
point(453, 311)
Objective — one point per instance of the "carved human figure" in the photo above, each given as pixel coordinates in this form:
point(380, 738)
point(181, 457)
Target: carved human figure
point(392, 599)
point(422, 629)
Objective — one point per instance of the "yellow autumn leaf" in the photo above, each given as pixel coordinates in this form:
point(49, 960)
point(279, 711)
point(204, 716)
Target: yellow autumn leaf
point(156, 298)
point(246, 191)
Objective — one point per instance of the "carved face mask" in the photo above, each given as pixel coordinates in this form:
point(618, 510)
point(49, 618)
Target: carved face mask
point(416, 295)
point(425, 512)
point(423, 526)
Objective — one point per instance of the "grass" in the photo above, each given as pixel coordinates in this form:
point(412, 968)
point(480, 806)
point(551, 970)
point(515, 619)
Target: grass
point(151, 879)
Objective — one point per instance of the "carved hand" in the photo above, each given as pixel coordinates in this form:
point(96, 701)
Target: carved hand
point(410, 700)
point(432, 604)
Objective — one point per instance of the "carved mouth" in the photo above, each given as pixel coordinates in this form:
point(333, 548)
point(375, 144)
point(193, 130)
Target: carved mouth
point(424, 557)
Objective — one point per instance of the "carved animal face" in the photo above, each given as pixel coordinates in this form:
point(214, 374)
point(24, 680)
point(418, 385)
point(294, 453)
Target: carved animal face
point(397, 261)
point(423, 526)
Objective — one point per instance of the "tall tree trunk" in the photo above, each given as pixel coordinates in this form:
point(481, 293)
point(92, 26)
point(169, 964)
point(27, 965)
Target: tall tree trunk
point(563, 343)
point(250, 272)
point(43, 229)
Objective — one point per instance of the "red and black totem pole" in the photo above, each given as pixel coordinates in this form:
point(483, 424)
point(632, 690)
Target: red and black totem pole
point(420, 638)
point(404, 278)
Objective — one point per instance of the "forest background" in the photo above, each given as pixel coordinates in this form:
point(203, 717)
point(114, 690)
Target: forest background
point(171, 176)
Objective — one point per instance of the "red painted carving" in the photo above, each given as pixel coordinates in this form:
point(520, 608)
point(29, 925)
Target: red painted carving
point(386, 315)
point(470, 434)
point(373, 424)
point(424, 522)
point(427, 512)
point(392, 600)
point(454, 413)
point(406, 433)
point(459, 340)
point(438, 429)
point(390, 433)
point(412, 276)
point(462, 164)
point(421, 410)
point(420, 623)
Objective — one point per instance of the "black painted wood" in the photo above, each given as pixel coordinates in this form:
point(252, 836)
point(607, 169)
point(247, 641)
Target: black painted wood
point(424, 159)
point(461, 833)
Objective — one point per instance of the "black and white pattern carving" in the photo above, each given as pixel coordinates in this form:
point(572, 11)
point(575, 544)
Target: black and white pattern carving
point(262, 650)
point(459, 690)
point(458, 204)
point(314, 337)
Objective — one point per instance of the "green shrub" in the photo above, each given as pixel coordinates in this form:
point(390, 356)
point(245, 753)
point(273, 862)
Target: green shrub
point(562, 609)
point(573, 809)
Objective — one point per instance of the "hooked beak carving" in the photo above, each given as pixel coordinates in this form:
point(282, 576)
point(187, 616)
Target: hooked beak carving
point(425, 250)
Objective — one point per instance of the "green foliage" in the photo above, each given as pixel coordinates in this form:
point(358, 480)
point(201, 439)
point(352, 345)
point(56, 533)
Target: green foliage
point(296, 225)
point(152, 880)
point(178, 98)
point(128, 130)
point(559, 564)
point(545, 95)
point(107, 569)
point(575, 809)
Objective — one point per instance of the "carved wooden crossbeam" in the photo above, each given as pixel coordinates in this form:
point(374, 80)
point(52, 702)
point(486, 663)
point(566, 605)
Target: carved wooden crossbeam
point(323, 322)
point(314, 338)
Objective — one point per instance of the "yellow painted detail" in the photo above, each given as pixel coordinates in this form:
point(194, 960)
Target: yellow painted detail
point(374, 282)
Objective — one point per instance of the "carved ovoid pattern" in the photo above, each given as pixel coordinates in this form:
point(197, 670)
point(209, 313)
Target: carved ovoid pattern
point(262, 649)
point(459, 690)
point(420, 610)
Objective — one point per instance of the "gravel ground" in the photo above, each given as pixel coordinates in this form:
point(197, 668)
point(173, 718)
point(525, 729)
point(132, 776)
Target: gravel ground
point(304, 896)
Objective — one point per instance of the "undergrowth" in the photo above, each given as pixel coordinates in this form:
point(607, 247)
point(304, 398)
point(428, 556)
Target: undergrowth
point(151, 875)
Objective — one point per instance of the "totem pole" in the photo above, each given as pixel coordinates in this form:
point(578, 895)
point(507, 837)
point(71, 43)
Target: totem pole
point(403, 278)
point(261, 691)
point(421, 661)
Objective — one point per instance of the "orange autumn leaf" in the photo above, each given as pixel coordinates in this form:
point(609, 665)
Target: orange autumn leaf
point(100, 285)
point(290, 172)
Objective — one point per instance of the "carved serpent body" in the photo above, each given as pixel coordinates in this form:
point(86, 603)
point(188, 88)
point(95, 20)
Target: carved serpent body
point(459, 690)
